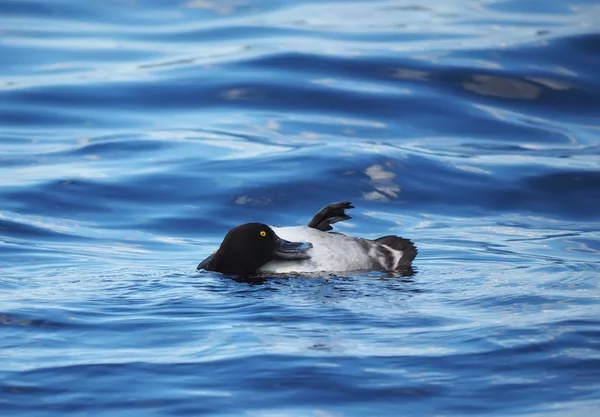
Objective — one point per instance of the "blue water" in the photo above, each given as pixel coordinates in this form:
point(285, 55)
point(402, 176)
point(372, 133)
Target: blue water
point(134, 134)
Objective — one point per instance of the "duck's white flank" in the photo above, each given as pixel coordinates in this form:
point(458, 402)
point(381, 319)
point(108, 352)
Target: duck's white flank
point(330, 252)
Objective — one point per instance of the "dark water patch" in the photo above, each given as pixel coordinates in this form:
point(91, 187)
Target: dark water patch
point(536, 7)
point(56, 196)
point(123, 148)
point(14, 118)
point(16, 229)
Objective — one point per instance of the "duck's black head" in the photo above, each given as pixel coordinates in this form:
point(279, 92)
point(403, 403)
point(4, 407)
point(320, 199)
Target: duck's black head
point(249, 246)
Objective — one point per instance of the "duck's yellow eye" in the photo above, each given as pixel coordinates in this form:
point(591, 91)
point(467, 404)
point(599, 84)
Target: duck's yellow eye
point(263, 233)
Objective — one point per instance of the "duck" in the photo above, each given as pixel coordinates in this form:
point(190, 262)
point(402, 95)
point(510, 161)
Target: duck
point(256, 248)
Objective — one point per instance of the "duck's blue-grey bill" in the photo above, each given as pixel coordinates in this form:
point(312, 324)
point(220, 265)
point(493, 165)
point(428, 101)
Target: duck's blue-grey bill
point(292, 250)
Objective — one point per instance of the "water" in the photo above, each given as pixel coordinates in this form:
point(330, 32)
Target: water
point(134, 134)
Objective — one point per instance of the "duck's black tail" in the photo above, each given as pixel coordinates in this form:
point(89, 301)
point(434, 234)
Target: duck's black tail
point(331, 213)
point(409, 250)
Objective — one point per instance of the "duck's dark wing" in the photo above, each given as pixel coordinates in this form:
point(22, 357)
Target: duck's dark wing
point(331, 213)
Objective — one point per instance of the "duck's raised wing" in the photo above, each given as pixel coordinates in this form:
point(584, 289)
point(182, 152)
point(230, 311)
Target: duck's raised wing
point(331, 213)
